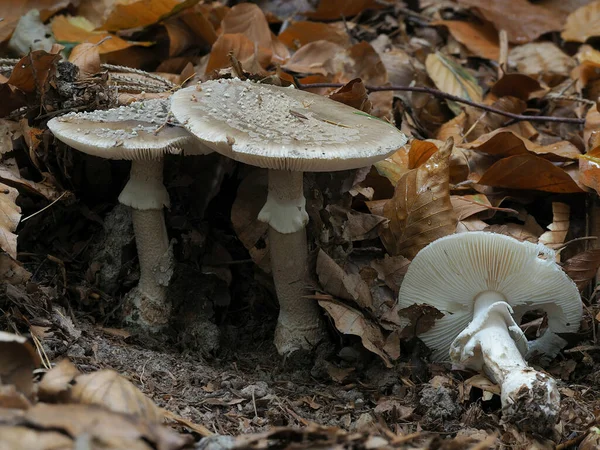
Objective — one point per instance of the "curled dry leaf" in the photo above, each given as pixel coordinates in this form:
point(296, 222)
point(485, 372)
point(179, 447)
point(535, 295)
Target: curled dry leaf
point(582, 268)
point(419, 318)
point(589, 169)
point(481, 39)
point(420, 210)
point(529, 172)
point(530, 231)
point(558, 229)
point(353, 94)
point(450, 77)
point(12, 10)
point(11, 271)
point(56, 383)
point(515, 85)
point(525, 22)
point(87, 423)
point(321, 57)
point(18, 359)
point(252, 58)
point(32, 72)
point(351, 321)
point(541, 60)
point(77, 30)
point(10, 216)
point(583, 23)
point(337, 282)
point(391, 270)
point(250, 198)
point(340, 9)
point(468, 205)
point(141, 13)
point(504, 142)
point(87, 58)
point(301, 33)
point(109, 389)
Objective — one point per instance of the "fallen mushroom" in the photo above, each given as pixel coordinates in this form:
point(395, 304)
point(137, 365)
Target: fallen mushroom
point(287, 131)
point(141, 132)
point(478, 280)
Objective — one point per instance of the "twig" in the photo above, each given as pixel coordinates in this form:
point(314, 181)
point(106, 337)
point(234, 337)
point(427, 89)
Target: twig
point(44, 208)
point(454, 98)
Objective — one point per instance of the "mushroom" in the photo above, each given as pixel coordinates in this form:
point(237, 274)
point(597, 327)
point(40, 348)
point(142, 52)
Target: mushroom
point(478, 280)
point(142, 132)
point(289, 132)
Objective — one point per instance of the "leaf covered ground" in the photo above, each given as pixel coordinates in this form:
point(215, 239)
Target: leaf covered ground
point(499, 100)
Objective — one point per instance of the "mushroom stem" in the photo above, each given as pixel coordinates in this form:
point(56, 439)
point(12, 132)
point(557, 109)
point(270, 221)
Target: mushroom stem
point(146, 195)
point(300, 324)
point(494, 342)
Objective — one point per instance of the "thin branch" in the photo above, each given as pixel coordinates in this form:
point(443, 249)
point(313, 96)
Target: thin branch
point(454, 98)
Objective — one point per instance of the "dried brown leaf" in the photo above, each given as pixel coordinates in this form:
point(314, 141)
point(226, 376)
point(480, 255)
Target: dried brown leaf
point(522, 20)
point(582, 268)
point(57, 381)
point(337, 282)
point(391, 270)
point(504, 142)
point(141, 13)
point(450, 77)
point(340, 9)
point(11, 271)
point(583, 23)
point(109, 389)
point(321, 57)
point(87, 58)
point(589, 169)
point(18, 359)
point(515, 85)
point(529, 172)
point(12, 10)
point(420, 317)
point(468, 205)
point(481, 39)
point(10, 216)
point(542, 60)
point(558, 229)
point(351, 321)
point(420, 211)
point(353, 94)
point(298, 34)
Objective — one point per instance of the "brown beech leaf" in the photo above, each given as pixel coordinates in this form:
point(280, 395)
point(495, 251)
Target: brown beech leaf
point(320, 57)
point(420, 152)
point(353, 94)
point(12, 10)
point(109, 389)
point(141, 13)
point(12, 272)
point(10, 216)
point(56, 383)
point(515, 85)
point(558, 229)
point(541, 60)
point(248, 19)
point(522, 20)
point(420, 317)
point(504, 142)
point(468, 205)
point(31, 73)
point(450, 77)
point(18, 359)
point(87, 58)
point(391, 270)
point(529, 231)
point(589, 169)
point(420, 210)
point(529, 171)
point(340, 9)
point(481, 39)
point(582, 267)
point(301, 33)
point(241, 48)
point(583, 23)
point(337, 282)
point(351, 321)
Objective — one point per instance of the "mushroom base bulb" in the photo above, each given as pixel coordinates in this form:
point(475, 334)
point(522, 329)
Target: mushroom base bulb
point(493, 342)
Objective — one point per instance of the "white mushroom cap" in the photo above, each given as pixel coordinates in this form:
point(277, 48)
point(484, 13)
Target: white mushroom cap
point(450, 272)
point(139, 131)
point(283, 128)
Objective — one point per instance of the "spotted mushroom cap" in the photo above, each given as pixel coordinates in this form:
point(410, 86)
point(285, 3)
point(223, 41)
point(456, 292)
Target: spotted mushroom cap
point(452, 271)
point(139, 131)
point(283, 128)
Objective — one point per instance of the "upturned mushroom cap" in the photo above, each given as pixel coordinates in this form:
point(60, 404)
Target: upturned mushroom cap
point(139, 131)
point(283, 128)
point(452, 271)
